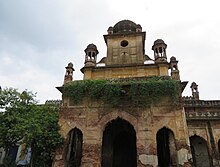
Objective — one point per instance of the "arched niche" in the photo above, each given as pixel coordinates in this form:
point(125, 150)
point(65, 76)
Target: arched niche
point(74, 148)
point(199, 149)
point(119, 144)
point(166, 148)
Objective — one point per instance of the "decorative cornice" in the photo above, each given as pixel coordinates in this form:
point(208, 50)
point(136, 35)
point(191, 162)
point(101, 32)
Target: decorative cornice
point(202, 115)
point(190, 102)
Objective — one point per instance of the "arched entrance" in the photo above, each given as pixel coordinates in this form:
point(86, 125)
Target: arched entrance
point(166, 148)
point(119, 144)
point(200, 152)
point(74, 148)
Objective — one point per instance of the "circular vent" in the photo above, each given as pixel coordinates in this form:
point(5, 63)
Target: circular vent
point(124, 43)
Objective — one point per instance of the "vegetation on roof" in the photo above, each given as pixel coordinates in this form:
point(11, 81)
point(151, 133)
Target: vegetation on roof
point(141, 92)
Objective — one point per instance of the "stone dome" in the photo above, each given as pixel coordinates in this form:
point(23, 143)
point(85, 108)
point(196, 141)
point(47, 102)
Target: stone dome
point(70, 65)
point(173, 58)
point(92, 46)
point(124, 26)
point(159, 41)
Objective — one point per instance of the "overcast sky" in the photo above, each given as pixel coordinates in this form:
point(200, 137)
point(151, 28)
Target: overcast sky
point(38, 38)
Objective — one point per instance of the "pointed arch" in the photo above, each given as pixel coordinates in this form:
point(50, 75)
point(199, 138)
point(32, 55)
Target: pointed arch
point(119, 144)
point(74, 148)
point(166, 148)
point(116, 114)
point(199, 149)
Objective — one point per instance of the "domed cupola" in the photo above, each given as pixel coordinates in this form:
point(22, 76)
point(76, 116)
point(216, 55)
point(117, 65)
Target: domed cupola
point(69, 73)
point(174, 68)
point(125, 26)
point(91, 55)
point(159, 49)
point(195, 92)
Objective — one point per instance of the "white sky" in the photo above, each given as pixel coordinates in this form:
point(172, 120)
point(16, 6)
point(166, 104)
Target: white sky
point(38, 38)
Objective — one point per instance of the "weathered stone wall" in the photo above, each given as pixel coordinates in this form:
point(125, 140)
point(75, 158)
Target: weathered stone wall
point(126, 72)
point(203, 121)
point(132, 53)
point(92, 118)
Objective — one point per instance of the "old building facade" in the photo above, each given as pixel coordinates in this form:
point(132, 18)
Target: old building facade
point(160, 133)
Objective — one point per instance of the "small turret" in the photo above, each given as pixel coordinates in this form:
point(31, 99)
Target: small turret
point(174, 68)
point(91, 55)
point(69, 73)
point(195, 92)
point(159, 49)
point(110, 30)
point(138, 28)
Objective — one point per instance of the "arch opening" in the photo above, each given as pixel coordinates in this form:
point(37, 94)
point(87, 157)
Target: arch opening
point(119, 144)
point(74, 148)
point(200, 154)
point(166, 148)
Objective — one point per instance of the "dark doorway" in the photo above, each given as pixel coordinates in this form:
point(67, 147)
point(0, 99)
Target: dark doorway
point(166, 148)
point(13, 150)
point(200, 152)
point(74, 148)
point(119, 144)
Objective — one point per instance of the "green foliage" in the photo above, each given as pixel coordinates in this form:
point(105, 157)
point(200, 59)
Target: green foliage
point(96, 89)
point(78, 89)
point(8, 162)
point(23, 121)
point(151, 91)
point(140, 92)
point(13, 109)
point(12, 98)
point(44, 138)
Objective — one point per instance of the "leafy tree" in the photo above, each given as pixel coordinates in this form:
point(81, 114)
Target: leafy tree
point(13, 109)
point(42, 134)
point(22, 120)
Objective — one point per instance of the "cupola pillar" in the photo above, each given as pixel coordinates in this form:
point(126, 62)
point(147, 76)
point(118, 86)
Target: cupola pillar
point(91, 55)
point(159, 49)
point(69, 73)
